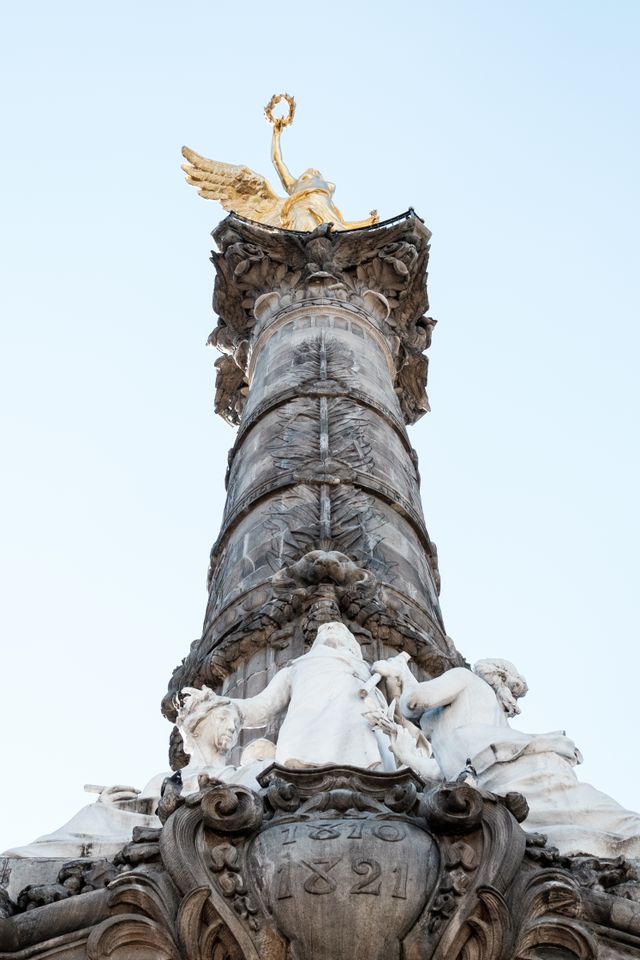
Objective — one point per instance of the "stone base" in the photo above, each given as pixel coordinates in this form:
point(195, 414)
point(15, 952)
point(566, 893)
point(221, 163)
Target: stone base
point(336, 863)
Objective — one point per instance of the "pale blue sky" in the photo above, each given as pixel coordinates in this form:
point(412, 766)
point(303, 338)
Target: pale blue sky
point(512, 128)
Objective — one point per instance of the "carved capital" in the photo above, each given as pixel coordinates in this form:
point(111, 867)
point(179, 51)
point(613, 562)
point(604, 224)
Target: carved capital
point(377, 272)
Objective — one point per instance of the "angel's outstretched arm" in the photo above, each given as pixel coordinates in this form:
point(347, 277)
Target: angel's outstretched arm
point(284, 173)
point(356, 224)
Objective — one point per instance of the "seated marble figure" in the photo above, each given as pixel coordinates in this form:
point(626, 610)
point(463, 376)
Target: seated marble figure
point(465, 716)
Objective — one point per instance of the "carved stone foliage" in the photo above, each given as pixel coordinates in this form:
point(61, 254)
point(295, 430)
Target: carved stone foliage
point(325, 360)
point(546, 909)
point(297, 441)
point(335, 863)
point(293, 601)
point(307, 517)
point(380, 270)
point(151, 922)
point(297, 444)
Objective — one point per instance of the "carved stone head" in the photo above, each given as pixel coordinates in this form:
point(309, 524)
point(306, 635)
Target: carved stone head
point(209, 724)
point(259, 749)
point(503, 677)
point(335, 634)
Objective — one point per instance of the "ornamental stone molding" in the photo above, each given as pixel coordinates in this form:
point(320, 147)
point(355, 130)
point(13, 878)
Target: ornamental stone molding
point(377, 274)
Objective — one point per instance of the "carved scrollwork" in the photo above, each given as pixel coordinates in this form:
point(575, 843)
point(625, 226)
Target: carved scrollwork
point(339, 789)
point(227, 866)
point(229, 808)
point(192, 932)
point(460, 863)
point(281, 795)
point(343, 855)
point(455, 806)
point(117, 937)
point(541, 917)
point(144, 908)
point(488, 929)
point(402, 797)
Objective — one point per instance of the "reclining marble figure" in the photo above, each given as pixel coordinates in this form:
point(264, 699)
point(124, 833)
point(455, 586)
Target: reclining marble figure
point(98, 829)
point(209, 727)
point(464, 715)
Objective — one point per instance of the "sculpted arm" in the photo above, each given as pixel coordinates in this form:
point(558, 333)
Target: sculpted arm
point(260, 710)
point(396, 672)
point(408, 753)
point(434, 693)
point(372, 219)
point(284, 173)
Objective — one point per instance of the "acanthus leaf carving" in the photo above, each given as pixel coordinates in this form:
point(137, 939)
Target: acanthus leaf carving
point(381, 271)
point(488, 930)
point(127, 935)
point(548, 908)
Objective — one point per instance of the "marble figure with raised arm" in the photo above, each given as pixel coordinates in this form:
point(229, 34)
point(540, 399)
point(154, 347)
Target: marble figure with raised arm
point(465, 716)
point(325, 720)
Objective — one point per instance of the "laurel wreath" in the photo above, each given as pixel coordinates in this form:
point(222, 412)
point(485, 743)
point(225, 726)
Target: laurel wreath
point(280, 121)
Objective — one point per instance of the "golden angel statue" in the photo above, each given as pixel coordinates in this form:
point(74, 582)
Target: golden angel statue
point(310, 196)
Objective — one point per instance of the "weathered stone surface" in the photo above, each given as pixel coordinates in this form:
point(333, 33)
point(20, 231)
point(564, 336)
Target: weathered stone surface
point(335, 863)
point(322, 335)
point(378, 272)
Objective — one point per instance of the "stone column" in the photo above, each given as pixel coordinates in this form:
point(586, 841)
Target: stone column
point(322, 336)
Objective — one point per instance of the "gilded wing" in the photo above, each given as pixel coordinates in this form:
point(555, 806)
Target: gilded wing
point(236, 188)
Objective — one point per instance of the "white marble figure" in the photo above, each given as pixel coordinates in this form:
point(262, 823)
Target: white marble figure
point(97, 830)
point(325, 721)
point(407, 744)
point(210, 727)
point(464, 715)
